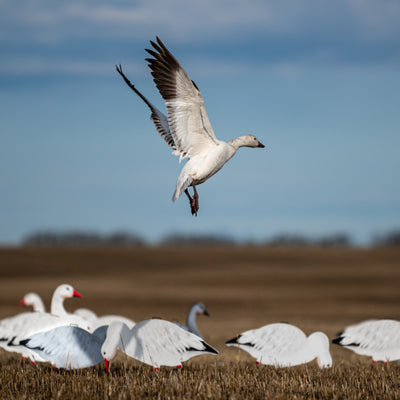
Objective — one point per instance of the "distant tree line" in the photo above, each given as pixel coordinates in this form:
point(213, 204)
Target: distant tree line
point(391, 238)
point(81, 238)
point(128, 239)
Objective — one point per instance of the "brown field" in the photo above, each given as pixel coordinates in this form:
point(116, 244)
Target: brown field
point(242, 287)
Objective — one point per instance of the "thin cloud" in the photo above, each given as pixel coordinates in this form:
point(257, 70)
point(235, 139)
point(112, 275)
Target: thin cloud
point(189, 21)
point(225, 37)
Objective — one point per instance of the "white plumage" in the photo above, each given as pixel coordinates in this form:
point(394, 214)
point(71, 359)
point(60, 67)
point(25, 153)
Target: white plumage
point(61, 293)
point(21, 326)
point(284, 345)
point(187, 128)
point(68, 347)
point(97, 321)
point(34, 300)
point(379, 339)
point(154, 342)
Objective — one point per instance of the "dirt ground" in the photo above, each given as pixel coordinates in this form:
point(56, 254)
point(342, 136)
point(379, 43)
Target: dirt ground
point(242, 287)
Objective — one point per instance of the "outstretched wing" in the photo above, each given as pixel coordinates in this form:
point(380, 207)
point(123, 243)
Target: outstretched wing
point(159, 119)
point(187, 116)
point(68, 346)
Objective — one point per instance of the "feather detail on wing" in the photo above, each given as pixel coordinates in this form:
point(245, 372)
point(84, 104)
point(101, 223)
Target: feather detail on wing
point(67, 346)
point(187, 116)
point(165, 340)
point(274, 339)
point(378, 335)
point(159, 119)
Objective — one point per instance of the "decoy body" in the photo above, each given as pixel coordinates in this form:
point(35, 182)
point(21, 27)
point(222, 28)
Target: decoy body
point(154, 342)
point(284, 345)
point(68, 347)
point(187, 128)
point(377, 338)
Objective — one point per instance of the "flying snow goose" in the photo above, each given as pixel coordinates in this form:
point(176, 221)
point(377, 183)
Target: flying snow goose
point(102, 320)
point(68, 347)
point(379, 339)
point(284, 345)
point(61, 293)
point(187, 128)
point(34, 300)
point(195, 310)
point(154, 342)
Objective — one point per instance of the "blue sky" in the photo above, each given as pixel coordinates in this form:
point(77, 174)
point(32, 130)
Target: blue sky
point(318, 82)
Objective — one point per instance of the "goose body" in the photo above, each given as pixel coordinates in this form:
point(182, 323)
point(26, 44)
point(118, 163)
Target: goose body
point(379, 339)
point(186, 129)
point(154, 342)
point(68, 347)
point(21, 326)
point(97, 321)
point(284, 345)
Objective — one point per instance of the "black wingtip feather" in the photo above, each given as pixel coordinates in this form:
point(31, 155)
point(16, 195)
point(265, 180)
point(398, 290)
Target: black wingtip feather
point(206, 348)
point(24, 342)
point(234, 340)
point(337, 340)
point(209, 348)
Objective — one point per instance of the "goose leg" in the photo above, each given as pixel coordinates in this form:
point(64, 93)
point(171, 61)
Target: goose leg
point(194, 205)
point(195, 198)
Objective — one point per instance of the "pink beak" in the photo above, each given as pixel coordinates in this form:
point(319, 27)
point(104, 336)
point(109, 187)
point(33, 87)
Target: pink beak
point(76, 294)
point(22, 303)
point(107, 362)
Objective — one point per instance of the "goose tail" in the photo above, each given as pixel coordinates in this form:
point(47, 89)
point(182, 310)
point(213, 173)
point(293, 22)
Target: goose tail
point(181, 185)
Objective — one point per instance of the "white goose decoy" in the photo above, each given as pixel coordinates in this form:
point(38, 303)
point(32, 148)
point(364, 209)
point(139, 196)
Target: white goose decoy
point(284, 345)
point(21, 326)
point(104, 319)
point(154, 342)
point(187, 128)
point(87, 314)
point(61, 293)
point(195, 310)
point(34, 300)
point(379, 339)
point(68, 347)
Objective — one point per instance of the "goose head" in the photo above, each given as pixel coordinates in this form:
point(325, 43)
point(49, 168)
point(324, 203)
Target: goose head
point(34, 300)
point(246, 141)
point(29, 299)
point(320, 342)
point(112, 342)
point(66, 291)
point(199, 308)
